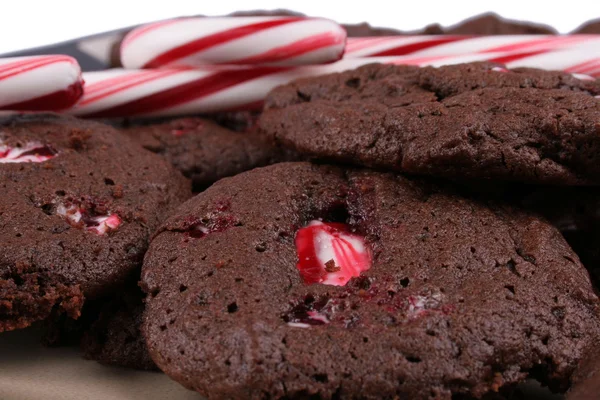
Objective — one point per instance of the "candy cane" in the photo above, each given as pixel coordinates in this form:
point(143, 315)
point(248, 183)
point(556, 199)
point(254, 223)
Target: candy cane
point(166, 92)
point(39, 83)
point(456, 45)
point(279, 41)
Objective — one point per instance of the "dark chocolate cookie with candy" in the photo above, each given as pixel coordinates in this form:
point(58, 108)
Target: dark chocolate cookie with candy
point(298, 280)
point(464, 121)
point(79, 202)
point(206, 152)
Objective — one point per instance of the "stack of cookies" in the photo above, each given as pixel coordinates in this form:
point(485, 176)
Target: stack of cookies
point(385, 232)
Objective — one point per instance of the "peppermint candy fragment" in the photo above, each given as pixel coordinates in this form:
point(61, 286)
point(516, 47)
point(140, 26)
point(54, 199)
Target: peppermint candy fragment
point(329, 253)
point(309, 312)
point(32, 152)
point(418, 305)
point(79, 217)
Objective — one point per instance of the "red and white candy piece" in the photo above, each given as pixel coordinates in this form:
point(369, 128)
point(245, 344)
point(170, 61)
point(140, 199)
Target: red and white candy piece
point(39, 83)
point(35, 152)
point(418, 305)
point(172, 92)
point(330, 254)
point(234, 40)
point(457, 45)
point(98, 224)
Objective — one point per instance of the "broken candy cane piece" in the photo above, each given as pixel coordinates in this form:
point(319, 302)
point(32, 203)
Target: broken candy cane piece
point(32, 152)
point(329, 253)
point(98, 224)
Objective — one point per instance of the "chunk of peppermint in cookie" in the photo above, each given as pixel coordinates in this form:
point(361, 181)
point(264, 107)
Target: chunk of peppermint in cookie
point(99, 224)
point(32, 152)
point(330, 253)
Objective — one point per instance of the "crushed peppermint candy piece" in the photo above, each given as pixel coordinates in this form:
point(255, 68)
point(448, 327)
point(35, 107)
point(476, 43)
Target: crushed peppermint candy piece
point(31, 152)
point(418, 305)
point(309, 311)
point(500, 69)
point(298, 325)
point(329, 253)
point(79, 217)
point(317, 316)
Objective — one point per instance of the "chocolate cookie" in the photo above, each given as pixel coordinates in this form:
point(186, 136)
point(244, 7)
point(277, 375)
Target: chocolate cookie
point(204, 151)
point(78, 205)
point(463, 121)
point(590, 27)
point(365, 29)
point(493, 24)
point(576, 213)
point(114, 337)
point(298, 280)
point(586, 380)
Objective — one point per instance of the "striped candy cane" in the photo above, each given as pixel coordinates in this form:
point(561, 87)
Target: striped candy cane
point(282, 41)
point(167, 92)
point(39, 83)
point(456, 45)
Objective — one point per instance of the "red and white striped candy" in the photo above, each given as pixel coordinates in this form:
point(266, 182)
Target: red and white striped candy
point(79, 217)
point(279, 41)
point(39, 83)
point(156, 92)
point(329, 253)
point(585, 62)
point(35, 152)
point(171, 92)
point(458, 45)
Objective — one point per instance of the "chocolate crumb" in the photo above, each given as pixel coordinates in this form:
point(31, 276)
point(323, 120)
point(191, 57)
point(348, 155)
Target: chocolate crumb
point(331, 267)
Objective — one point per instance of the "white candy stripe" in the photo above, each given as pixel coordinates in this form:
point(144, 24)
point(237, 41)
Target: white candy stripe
point(457, 45)
point(211, 89)
point(28, 78)
point(228, 40)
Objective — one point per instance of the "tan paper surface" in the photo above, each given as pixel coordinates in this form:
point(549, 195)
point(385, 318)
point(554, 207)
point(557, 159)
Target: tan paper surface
point(29, 371)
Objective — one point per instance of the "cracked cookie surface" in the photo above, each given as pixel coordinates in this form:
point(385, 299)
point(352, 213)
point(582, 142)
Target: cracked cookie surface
point(463, 121)
point(460, 297)
point(79, 202)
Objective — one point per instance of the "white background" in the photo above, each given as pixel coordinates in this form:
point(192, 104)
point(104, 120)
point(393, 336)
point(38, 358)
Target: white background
point(29, 23)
